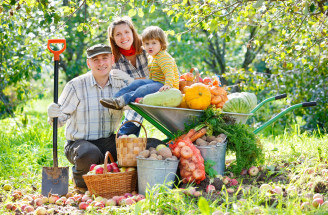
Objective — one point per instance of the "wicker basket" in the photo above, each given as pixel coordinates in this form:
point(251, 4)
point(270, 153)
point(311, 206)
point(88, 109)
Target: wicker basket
point(129, 148)
point(108, 185)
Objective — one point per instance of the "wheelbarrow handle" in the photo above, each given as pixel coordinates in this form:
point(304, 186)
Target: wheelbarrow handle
point(280, 96)
point(56, 53)
point(269, 100)
point(275, 118)
point(309, 104)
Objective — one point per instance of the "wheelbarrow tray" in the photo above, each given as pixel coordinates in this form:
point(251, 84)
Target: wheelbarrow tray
point(174, 119)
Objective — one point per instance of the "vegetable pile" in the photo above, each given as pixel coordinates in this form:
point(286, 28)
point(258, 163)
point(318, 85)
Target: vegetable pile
point(191, 164)
point(241, 139)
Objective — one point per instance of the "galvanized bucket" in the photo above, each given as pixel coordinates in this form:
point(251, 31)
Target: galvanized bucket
point(152, 172)
point(215, 153)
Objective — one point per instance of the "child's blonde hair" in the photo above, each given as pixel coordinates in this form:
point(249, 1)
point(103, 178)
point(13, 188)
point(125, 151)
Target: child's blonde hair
point(155, 33)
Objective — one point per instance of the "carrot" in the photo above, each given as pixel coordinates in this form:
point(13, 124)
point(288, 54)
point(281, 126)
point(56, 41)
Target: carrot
point(198, 134)
point(189, 134)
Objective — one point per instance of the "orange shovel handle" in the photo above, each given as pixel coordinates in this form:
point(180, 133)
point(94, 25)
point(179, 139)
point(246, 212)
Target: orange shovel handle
point(56, 53)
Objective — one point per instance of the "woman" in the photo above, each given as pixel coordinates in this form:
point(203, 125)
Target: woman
point(130, 63)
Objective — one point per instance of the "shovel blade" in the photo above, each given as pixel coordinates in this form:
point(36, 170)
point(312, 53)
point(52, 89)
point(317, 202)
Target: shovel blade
point(54, 180)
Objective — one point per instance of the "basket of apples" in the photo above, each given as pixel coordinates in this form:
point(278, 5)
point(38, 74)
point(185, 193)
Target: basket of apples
point(129, 146)
point(108, 180)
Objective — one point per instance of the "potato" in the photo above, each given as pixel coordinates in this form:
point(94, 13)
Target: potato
point(153, 156)
point(219, 140)
point(210, 138)
point(201, 142)
point(223, 136)
point(159, 157)
point(204, 137)
point(212, 143)
point(144, 153)
point(153, 152)
point(165, 152)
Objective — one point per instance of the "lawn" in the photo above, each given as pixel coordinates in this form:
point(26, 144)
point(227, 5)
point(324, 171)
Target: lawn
point(294, 161)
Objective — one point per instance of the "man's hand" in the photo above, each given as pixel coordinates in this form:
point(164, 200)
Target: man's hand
point(120, 75)
point(54, 110)
point(165, 87)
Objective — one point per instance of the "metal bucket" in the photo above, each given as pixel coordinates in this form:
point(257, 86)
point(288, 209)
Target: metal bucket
point(215, 153)
point(239, 117)
point(152, 172)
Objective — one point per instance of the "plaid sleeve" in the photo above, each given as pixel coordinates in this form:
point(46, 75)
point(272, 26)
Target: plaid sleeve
point(132, 115)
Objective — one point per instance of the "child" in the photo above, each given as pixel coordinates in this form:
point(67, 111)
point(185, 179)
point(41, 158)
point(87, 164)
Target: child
point(163, 71)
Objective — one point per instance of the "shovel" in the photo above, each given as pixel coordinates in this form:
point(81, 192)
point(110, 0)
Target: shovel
point(55, 179)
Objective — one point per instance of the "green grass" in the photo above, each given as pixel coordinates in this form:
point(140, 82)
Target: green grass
point(24, 150)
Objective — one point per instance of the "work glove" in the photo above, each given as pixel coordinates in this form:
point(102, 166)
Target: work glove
point(120, 75)
point(53, 112)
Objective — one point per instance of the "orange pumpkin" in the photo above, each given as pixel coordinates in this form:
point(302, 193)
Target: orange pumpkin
point(198, 96)
point(183, 102)
point(189, 76)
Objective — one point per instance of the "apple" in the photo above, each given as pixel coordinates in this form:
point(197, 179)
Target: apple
point(318, 196)
point(207, 80)
point(230, 190)
point(134, 193)
point(124, 136)
point(92, 166)
point(115, 169)
point(210, 188)
point(85, 198)
point(122, 169)
point(114, 165)
point(100, 199)
point(7, 187)
point(140, 197)
point(89, 201)
point(200, 80)
point(138, 100)
point(9, 206)
point(40, 211)
point(325, 204)
point(130, 201)
point(160, 146)
point(233, 182)
point(110, 202)
point(28, 209)
point(83, 206)
point(197, 194)
point(132, 136)
point(100, 170)
point(218, 212)
point(129, 169)
point(109, 168)
point(53, 198)
point(99, 205)
point(60, 202)
point(305, 206)
point(226, 180)
point(265, 187)
point(70, 201)
point(317, 202)
point(38, 202)
point(291, 190)
point(253, 171)
point(277, 190)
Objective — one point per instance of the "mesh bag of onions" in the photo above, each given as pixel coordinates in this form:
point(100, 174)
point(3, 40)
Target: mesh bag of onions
point(191, 164)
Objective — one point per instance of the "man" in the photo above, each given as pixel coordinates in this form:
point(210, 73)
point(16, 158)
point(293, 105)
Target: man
point(90, 126)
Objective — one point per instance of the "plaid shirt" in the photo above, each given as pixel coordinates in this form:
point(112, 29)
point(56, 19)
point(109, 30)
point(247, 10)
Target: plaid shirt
point(86, 118)
point(140, 71)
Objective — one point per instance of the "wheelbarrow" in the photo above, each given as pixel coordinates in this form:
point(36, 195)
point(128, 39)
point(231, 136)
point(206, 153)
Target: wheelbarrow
point(169, 120)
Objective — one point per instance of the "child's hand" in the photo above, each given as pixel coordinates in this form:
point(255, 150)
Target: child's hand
point(165, 87)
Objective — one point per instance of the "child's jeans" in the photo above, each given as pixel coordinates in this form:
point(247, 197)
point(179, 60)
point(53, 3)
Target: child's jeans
point(138, 88)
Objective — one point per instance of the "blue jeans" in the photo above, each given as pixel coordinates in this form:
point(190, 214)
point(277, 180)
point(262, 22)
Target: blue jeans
point(129, 128)
point(138, 88)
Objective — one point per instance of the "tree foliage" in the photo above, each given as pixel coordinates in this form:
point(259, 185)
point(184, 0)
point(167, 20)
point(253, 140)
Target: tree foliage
point(268, 47)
